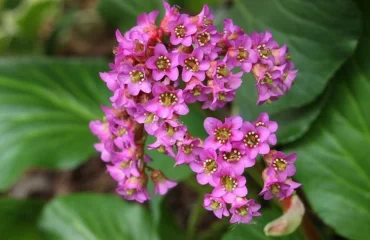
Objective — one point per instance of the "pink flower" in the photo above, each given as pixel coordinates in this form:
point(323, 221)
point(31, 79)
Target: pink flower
point(280, 189)
point(193, 65)
point(182, 30)
point(222, 134)
point(188, 150)
point(241, 53)
point(135, 79)
point(171, 131)
point(195, 90)
point(255, 139)
point(206, 167)
point(281, 166)
point(217, 205)
point(204, 18)
point(166, 102)
point(229, 185)
point(134, 188)
point(236, 159)
point(264, 121)
point(120, 171)
point(161, 183)
point(244, 210)
point(163, 63)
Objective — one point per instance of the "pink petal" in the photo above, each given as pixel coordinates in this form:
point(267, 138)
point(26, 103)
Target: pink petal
point(210, 124)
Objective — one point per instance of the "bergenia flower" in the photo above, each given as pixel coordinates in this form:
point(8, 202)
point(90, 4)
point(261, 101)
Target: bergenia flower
point(244, 210)
point(163, 63)
point(188, 150)
point(135, 79)
point(193, 65)
point(182, 30)
point(229, 185)
point(195, 90)
point(161, 183)
point(166, 102)
point(264, 121)
point(273, 187)
point(217, 205)
point(255, 139)
point(222, 134)
point(236, 159)
point(206, 167)
point(171, 131)
point(281, 166)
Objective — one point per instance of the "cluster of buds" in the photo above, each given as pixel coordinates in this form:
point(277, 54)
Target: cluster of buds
point(157, 72)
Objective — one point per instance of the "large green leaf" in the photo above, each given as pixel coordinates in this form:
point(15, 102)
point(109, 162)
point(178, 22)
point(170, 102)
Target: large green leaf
point(45, 108)
point(93, 216)
point(321, 35)
point(18, 219)
point(333, 163)
point(123, 13)
point(255, 231)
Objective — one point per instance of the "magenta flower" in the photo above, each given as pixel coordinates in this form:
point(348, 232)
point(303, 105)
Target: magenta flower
point(280, 189)
point(218, 98)
point(166, 102)
point(171, 131)
point(264, 121)
point(193, 65)
point(288, 74)
point(120, 171)
point(110, 78)
point(134, 43)
point(163, 63)
point(244, 210)
point(207, 39)
point(161, 183)
point(105, 155)
point(270, 85)
point(182, 30)
point(162, 147)
point(171, 14)
point(195, 90)
point(135, 78)
point(217, 205)
point(134, 188)
point(146, 22)
point(242, 54)
point(206, 167)
point(255, 139)
point(188, 150)
point(263, 43)
point(236, 159)
point(229, 185)
point(150, 121)
point(100, 129)
point(281, 166)
point(222, 134)
point(205, 17)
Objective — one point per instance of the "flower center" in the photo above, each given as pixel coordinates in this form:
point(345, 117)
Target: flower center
point(221, 96)
point(222, 134)
point(215, 205)
point(251, 139)
point(258, 124)
point(242, 211)
point(263, 51)
point(228, 183)
point(204, 38)
point(187, 149)
point(150, 118)
point(196, 91)
point(180, 31)
point(207, 22)
point(136, 76)
point(222, 71)
point(167, 99)
point(139, 46)
point(243, 54)
point(163, 63)
point(130, 192)
point(275, 188)
point(121, 132)
point(192, 64)
point(232, 156)
point(279, 164)
point(210, 166)
point(267, 78)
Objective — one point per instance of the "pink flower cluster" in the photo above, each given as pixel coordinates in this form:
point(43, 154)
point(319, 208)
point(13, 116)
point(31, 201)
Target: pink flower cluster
point(157, 72)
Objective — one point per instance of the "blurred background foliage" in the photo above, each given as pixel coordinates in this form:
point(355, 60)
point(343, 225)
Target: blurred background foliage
point(52, 184)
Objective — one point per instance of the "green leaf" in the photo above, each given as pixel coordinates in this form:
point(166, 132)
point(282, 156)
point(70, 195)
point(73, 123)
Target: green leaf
point(321, 35)
point(45, 107)
point(18, 219)
point(123, 13)
point(255, 231)
point(333, 162)
point(94, 216)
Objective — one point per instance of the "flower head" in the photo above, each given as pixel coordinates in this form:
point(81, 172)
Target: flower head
point(244, 210)
point(217, 205)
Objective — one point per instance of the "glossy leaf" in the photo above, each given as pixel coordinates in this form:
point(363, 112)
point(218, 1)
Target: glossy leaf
point(333, 162)
point(321, 35)
point(255, 231)
point(18, 219)
point(94, 216)
point(45, 108)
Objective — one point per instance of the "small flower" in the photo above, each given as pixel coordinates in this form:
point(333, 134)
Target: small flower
point(161, 183)
point(162, 147)
point(135, 79)
point(204, 18)
point(263, 43)
point(193, 65)
point(188, 150)
point(122, 170)
point(195, 90)
point(215, 204)
point(207, 39)
point(219, 97)
point(280, 189)
point(281, 166)
point(134, 188)
point(110, 78)
point(236, 159)
point(254, 139)
point(206, 167)
point(229, 185)
point(166, 102)
point(222, 134)
point(182, 30)
point(171, 131)
point(146, 22)
point(163, 63)
point(263, 120)
point(241, 53)
point(244, 210)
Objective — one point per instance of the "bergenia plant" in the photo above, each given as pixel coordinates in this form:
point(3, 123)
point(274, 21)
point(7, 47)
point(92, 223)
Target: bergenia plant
point(157, 72)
